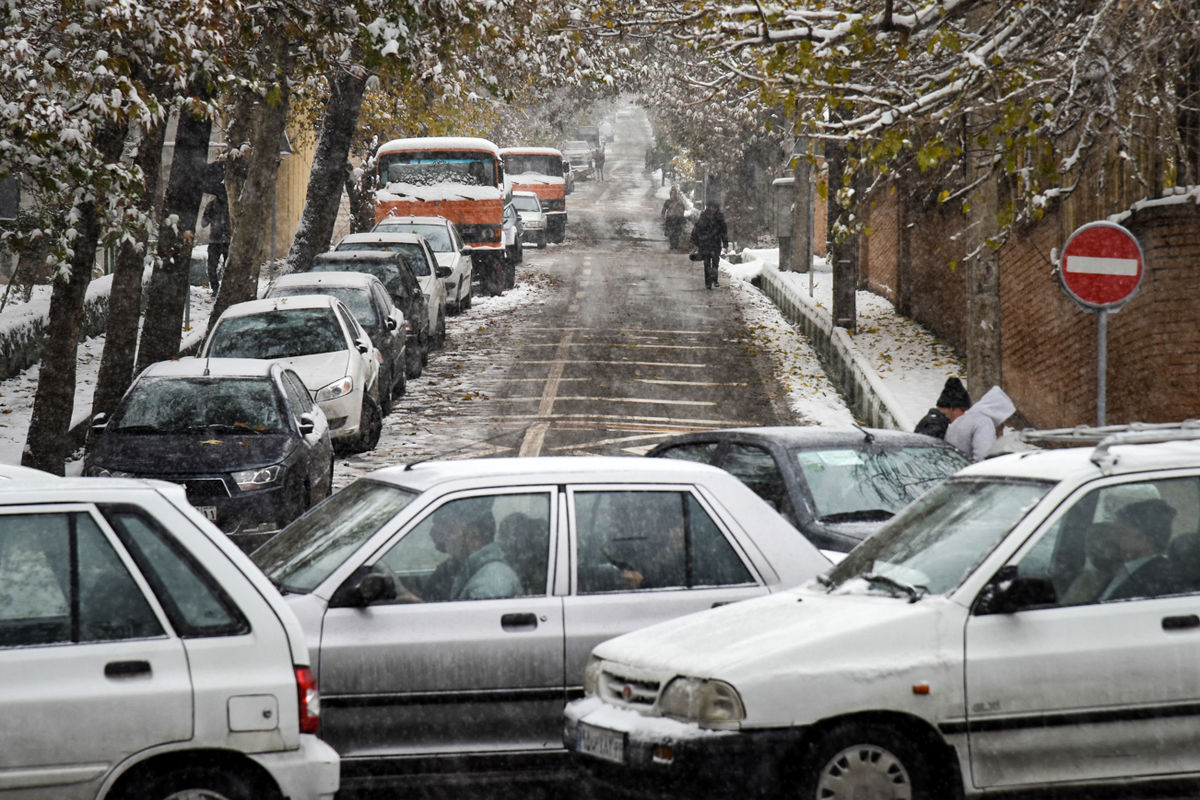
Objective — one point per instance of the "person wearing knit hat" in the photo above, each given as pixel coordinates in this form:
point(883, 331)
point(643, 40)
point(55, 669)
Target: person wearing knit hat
point(951, 404)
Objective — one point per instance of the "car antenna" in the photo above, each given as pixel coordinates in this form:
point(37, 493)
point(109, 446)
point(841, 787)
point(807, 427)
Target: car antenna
point(472, 443)
point(870, 437)
point(207, 359)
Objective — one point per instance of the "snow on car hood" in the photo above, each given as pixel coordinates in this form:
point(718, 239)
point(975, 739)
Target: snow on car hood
point(320, 369)
point(440, 191)
point(831, 649)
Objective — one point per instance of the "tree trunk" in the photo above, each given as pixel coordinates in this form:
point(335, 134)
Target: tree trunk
point(983, 278)
point(168, 291)
point(330, 169)
point(843, 246)
point(251, 184)
point(125, 297)
point(362, 202)
point(47, 444)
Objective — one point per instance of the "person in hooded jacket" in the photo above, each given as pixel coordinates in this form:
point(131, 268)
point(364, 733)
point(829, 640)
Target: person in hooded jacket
point(673, 218)
point(710, 237)
point(974, 433)
point(951, 404)
point(484, 572)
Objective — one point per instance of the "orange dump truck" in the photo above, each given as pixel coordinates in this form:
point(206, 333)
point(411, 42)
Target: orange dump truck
point(457, 177)
point(540, 170)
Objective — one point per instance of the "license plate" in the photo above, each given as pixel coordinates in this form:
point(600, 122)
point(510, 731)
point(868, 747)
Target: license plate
point(209, 512)
point(602, 743)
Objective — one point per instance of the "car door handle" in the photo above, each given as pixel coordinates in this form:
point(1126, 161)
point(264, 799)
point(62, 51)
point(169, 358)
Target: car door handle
point(1181, 622)
point(518, 622)
point(126, 669)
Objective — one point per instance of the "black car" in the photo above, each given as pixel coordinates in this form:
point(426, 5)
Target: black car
point(371, 305)
point(396, 274)
point(242, 436)
point(836, 485)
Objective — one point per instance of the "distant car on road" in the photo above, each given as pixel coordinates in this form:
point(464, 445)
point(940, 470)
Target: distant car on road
point(447, 245)
point(242, 436)
point(320, 339)
point(371, 305)
point(451, 605)
point(836, 485)
point(533, 219)
point(144, 656)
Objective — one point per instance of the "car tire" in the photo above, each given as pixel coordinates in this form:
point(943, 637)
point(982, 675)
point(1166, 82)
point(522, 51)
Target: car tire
point(210, 783)
point(864, 759)
point(401, 385)
point(439, 338)
point(385, 390)
point(510, 274)
point(370, 426)
point(541, 241)
point(414, 364)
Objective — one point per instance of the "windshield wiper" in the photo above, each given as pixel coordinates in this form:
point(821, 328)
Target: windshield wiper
point(827, 582)
point(914, 593)
point(862, 515)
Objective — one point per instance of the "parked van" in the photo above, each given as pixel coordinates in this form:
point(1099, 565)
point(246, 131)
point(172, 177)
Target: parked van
point(1029, 625)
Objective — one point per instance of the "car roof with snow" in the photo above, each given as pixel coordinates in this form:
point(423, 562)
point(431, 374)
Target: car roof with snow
point(531, 151)
point(406, 237)
point(392, 219)
point(250, 307)
point(353, 280)
point(1082, 463)
point(442, 143)
point(210, 367)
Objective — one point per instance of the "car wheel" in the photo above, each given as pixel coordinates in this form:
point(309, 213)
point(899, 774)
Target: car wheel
point(370, 426)
point(466, 301)
point(401, 385)
point(329, 488)
point(439, 339)
point(198, 783)
point(385, 390)
point(414, 364)
point(510, 275)
point(867, 759)
point(541, 241)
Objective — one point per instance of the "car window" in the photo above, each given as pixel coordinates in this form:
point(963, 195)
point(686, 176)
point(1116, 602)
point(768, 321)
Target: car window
point(641, 540)
point(194, 602)
point(348, 319)
point(412, 252)
point(174, 405)
point(297, 392)
point(524, 203)
point(1120, 542)
point(382, 303)
point(61, 581)
point(388, 272)
point(308, 550)
point(756, 467)
point(700, 452)
point(278, 334)
point(475, 548)
point(844, 482)
point(355, 299)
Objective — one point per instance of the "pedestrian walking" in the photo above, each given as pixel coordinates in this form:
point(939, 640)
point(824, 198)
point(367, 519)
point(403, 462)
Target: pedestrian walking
point(977, 429)
point(951, 404)
point(216, 217)
point(673, 218)
point(599, 162)
point(710, 236)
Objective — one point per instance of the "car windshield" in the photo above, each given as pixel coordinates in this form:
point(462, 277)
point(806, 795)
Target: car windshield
point(307, 551)
point(411, 251)
point(355, 299)
point(387, 273)
point(176, 405)
point(437, 235)
point(533, 163)
point(936, 542)
point(283, 333)
point(871, 483)
point(430, 168)
point(525, 203)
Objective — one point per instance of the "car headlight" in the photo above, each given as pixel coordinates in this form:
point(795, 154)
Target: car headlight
point(591, 676)
point(709, 703)
point(262, 478)
point(339, 388)
point(101, 472)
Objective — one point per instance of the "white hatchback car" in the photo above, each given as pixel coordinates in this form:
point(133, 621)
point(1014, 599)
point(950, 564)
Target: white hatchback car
point(1032, 624)
point(319, 338)
point(533, 219)
point(430, 274)
point(446, 243)
point(144, 656)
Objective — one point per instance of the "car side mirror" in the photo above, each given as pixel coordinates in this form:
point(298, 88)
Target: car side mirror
point(1007, 592)
point(442, 272)
point(390, 323)
point(365, 586)
point(362, 345)
point(308, 424)
point(100, 422)
point(466, 251)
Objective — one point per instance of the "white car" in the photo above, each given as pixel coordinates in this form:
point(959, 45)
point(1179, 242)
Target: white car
point(423, 665)
point(144, 655)
point(430, 274)
point(1029, 625)
point(446, 243)
point(318, 338)
point(533, 219)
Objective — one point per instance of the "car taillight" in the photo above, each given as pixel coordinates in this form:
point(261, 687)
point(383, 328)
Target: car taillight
point(310, 700)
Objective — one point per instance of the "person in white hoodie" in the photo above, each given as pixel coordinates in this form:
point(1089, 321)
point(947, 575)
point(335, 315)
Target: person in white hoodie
point(976, 430)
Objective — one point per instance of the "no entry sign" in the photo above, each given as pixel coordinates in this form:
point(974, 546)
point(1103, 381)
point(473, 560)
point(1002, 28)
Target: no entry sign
point(1102, 265)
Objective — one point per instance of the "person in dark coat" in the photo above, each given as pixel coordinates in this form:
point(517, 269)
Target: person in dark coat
point(673, 218)
point(951, 404)
point(216, 217)
point(710, 237)
point(1143, 532)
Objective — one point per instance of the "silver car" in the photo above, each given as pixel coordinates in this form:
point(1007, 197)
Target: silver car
point(451, 606)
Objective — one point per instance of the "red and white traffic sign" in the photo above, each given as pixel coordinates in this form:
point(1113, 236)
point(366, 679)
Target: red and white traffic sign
point(1102, 265)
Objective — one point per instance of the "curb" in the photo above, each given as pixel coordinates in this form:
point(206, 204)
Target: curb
point(866, 395)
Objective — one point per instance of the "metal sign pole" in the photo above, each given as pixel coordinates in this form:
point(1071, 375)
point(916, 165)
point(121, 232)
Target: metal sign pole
point(1101, 367)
